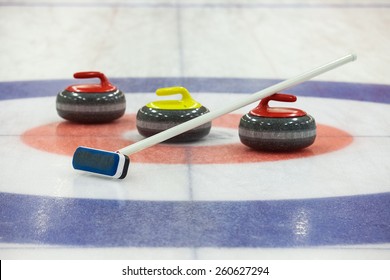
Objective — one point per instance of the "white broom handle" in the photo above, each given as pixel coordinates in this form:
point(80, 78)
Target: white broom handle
point(176, 130)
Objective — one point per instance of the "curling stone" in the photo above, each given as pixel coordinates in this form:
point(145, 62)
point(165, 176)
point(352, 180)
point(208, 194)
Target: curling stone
point(160, 115)
point(277, 129)
point(91, 103)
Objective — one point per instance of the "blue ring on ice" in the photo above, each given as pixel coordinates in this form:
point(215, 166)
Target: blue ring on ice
point(340, 90)
point(362, 219)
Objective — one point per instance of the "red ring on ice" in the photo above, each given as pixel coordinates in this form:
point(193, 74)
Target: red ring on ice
point(64, 137)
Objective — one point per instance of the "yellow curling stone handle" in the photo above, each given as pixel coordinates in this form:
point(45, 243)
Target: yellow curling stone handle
point(186, 101)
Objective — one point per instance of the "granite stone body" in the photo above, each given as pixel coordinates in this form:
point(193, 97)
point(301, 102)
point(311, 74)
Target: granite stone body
point(91, 107)
point(151, 121)
point(277, 134)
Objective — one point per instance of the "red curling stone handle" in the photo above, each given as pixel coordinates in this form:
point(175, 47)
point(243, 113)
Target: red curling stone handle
point(104, 86)
point(278, 97)
point(264, 110)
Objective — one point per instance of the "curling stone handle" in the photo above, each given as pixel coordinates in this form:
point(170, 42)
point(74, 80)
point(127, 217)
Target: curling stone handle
point(277, 97)
point(264, 110)
point(186, 101)
point(91, 75)
point(185, 95)
point(280, 97)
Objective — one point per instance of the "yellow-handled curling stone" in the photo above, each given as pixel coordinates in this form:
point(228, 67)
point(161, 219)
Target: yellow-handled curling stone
point(161, 115)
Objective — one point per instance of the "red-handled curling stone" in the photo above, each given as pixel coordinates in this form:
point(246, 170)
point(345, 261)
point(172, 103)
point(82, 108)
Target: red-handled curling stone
point(91, 103)
point(276, 128)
